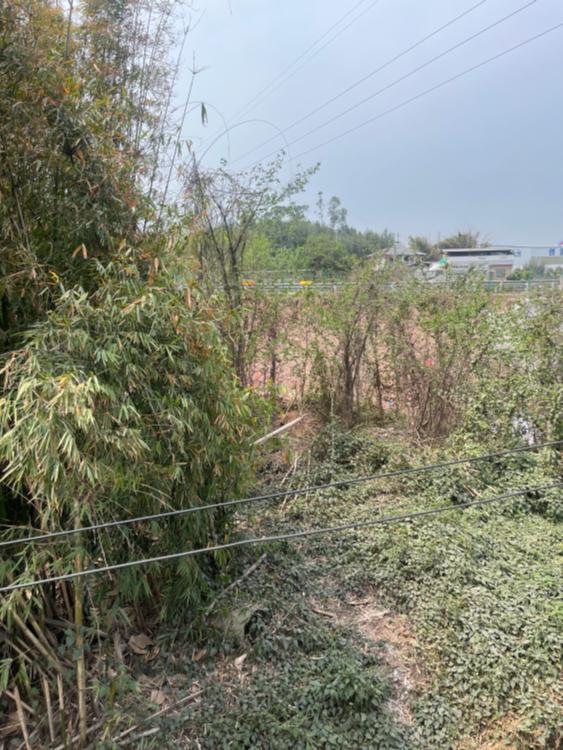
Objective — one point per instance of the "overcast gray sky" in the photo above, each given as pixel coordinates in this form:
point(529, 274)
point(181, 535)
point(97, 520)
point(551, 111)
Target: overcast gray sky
point(484, 152)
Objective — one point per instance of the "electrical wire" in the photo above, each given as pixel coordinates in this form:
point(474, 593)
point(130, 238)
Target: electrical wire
point(311, 57)
point(387, 520)
point(366, 77)
point(428, 91)
point(287, 72)
point(408, 75)
point(278, 495)
point(230, 128)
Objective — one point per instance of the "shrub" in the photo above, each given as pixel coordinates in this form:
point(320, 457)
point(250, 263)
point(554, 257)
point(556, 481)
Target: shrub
point(439, 338)
point(120, 403)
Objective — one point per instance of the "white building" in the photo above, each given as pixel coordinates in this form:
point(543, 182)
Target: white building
point(498, 261)
point(541, 255)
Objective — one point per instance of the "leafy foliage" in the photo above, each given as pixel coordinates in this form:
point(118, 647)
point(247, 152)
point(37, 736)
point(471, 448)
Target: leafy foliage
point(286, 241)
point(520, 387)
point(121, 395)
point(80, 130)
point(122, 399)
point(64, 182)
point(434, 250)
point(439, 340)
point(344, 332)
point(229, 206)
point(121, 403)
point(535, 271)
point(479, 586)
point(304, 681)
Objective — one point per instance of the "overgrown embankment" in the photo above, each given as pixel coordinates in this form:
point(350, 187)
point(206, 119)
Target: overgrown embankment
point(441, 632)
point(127, 340)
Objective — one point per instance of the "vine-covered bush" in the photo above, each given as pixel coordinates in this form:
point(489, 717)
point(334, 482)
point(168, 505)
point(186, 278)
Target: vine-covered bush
point(521, 389)
point(439, 338)
point(479, 586)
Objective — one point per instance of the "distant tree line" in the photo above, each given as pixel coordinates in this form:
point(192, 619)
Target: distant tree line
point(288, 240)
point(434, 250)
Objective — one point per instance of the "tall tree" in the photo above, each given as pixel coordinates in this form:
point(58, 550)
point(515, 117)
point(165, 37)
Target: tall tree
point(421, 244)
point(77, 106)
point(461, 240)
point(228, 207)
point(337, 214)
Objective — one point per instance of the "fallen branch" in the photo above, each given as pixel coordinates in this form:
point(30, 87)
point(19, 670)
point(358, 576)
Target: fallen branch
point(126, 732)
point(34, 734)
point(283, 428)
point(323, 612)
point(146, 733)
point(75, 739)
point(22, 702)
point(21, 718)
point(232, 585)
point(292, 469)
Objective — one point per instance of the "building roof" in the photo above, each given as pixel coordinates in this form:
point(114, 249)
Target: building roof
point(486, 252)
point(402, 252)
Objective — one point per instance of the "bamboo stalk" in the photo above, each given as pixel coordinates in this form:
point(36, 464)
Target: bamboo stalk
point(36, 642)
point(23, 703)
point(47, 694)
point(79, 642)
point(41, 634)
point(194, 72)
point(68, 28)
point(62, 713)
point(66, 599)
point(21, 718)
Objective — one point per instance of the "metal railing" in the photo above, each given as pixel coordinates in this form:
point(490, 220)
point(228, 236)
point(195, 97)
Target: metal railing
point(497, 286)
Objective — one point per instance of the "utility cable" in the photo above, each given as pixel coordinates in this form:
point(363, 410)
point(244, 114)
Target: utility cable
point(365, 78)
point(278, 495)
point(407, 75)
point(287, 72)
point(257, 99)
point(387, 520)
point(437, 86)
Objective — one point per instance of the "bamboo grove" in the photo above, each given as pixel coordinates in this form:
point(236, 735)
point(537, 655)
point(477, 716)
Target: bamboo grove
point(138, 366)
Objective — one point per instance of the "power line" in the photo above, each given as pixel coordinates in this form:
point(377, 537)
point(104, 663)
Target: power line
point(287, 72)
point(366, 77)
point(278, 538)
point(298, 59)
point(241, 124)
point(440, 85)
point(408, 75)
point(278, 495)
point(258, 99)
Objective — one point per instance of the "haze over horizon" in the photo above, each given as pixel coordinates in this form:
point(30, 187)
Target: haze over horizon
point(483, 153)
